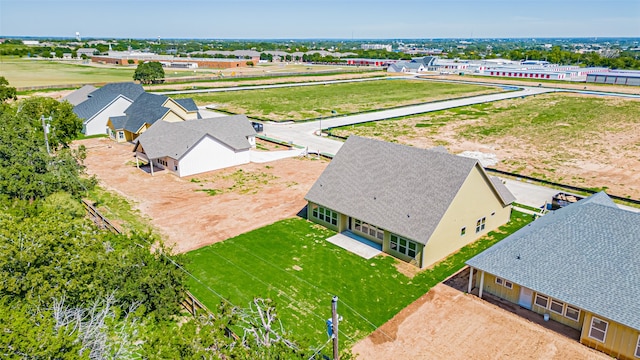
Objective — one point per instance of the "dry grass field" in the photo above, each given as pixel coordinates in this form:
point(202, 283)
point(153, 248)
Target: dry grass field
point(31, 72)
point(579, 140)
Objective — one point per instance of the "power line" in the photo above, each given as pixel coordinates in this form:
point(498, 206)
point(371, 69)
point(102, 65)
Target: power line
point(320, 349)
point(316, 287)
point(264, 283)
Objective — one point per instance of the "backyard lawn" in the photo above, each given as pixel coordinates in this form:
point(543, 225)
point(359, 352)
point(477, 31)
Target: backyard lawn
point(291, 263)
point(308, 102)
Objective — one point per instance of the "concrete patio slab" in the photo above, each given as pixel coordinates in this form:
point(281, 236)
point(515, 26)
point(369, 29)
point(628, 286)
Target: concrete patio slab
point(357, 245)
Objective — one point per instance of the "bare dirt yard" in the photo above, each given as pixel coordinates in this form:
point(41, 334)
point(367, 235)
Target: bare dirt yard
point(446, 323)
point(202, 209)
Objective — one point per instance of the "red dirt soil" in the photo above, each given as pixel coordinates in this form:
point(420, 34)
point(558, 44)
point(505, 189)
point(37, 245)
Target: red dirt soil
point(188, 217)
point(446, 323)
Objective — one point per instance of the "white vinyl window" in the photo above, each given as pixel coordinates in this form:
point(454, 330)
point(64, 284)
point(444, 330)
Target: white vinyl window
point(368, 229)
point(638, 348)
point(325, 215)
point(502, 282)
point(403, 246)
point(556, 306)
point(598, 329)
point(572, 313)
point(480, 224)
point(542, 301)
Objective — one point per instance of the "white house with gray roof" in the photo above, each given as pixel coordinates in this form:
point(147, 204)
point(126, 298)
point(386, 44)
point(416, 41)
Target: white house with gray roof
point(418, 205)
point(196, 146)
point(101, 104)
point(580, 266)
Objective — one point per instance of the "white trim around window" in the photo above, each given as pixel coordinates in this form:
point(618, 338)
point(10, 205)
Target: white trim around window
point(403, 246)
point(506, 283)
point(324, 214)
point(571, 312)
point(542, 301)
point(598, 329)
point(556, 306)
point(637, 354)
point(480, 224)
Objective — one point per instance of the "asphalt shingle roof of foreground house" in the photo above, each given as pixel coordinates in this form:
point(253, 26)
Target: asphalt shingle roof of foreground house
point(100, 98)
point(174, 139)
point(586, 254)
point(399, 188)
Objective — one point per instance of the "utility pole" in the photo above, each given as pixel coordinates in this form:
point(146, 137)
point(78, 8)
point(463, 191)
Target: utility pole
point(45, 128)
point(334, 321)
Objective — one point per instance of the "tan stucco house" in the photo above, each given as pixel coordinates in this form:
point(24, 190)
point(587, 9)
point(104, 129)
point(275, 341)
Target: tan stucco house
point(580, 266)
point(145, 111)
point(420, 205)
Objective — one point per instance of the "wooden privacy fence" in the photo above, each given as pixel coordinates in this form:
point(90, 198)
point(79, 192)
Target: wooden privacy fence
point(101, 221)
point(193, 305)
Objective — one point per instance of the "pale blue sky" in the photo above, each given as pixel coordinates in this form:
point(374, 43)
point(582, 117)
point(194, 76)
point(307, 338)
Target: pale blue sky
point(298, 19)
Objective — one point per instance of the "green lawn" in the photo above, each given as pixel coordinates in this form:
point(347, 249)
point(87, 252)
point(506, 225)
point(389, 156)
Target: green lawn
point(299, 103)
point(291, 263)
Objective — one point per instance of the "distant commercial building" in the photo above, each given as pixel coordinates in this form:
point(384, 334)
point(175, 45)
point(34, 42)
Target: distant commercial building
point(376, 47)
point(124, 57)
point(617, 77)
point(371, 62)
point(88, 52)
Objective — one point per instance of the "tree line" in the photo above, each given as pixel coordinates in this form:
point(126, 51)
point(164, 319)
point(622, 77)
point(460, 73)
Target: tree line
point(69, 290)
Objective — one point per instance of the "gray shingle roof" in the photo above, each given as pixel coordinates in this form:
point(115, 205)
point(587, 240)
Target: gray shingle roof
point(79, 95)
point(146, 109)
point(503, 192)
point(102, 97)
point(586, 254)
point(118, 122)
point(402, 189)
point(174, 139)
point(187, 103)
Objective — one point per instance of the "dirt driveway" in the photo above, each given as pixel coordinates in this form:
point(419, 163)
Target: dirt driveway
point(202, 209)
point(446, 323)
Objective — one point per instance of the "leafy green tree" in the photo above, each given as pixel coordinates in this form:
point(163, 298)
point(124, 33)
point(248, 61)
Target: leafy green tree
point(27, 171)
point(30, 333)
point(6, 92)
point(149, 72)
point(65, 124)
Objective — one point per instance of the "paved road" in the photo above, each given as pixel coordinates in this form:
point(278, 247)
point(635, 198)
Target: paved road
point(303, 133)
point(535, 195)
point(272, 86)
